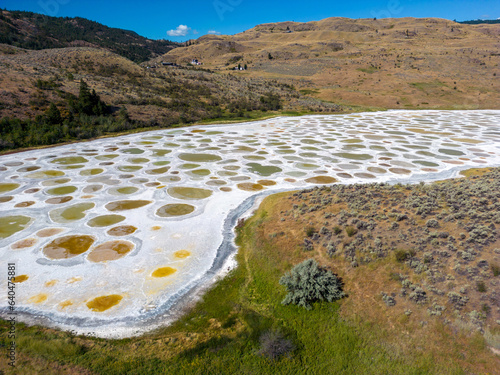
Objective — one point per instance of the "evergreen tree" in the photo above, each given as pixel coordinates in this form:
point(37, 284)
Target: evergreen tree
point(89, 102)
point(53, 115)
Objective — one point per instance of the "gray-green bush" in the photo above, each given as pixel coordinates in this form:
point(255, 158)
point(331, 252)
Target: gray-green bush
point(308, 282)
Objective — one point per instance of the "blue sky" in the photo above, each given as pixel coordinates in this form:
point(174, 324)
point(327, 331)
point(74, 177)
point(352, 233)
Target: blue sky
point(181, 20)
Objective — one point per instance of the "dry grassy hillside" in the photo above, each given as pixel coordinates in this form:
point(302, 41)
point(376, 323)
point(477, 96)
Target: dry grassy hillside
point(31, 80)
point(391, 63)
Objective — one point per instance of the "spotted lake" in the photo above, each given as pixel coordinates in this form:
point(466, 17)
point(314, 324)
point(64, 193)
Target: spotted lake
point(110, 235)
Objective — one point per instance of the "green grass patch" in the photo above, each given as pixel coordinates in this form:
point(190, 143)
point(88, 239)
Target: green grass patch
point(369, 70)
point(428, 86)
point(309, 91)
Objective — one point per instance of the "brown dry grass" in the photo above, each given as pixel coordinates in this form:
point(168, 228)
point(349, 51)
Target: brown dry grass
point(389, 63)
point(451, 335)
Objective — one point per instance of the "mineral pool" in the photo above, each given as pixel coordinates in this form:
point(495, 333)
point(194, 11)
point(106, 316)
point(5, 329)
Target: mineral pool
point(112, 232)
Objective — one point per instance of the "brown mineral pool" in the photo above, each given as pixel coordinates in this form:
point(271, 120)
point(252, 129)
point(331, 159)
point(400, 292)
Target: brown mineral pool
point(249, 186)
point(129, 168)
point(91, 189)
point(31, 191)
point(110, 250)
point(161, 163)
point(71, 213)
point(188, 193)
point(132, 151)
point(5, 187)
point(69, 160)
point(321, 180)
point(163, 272)
point(364, 175)
point(189, 166)
point(124, 190)
point(20, 278)
point(263, 170)
point(352, 156)
point(200, 158)
point(126, 205)
point(216, 182)
point(467, 140)
point(24, 204)
point(28, 169)
point(107, 157)
point(306, 166)
point(68, 246)
point(160, 152)
point(122, 230)
point(23, 244)
point(425, 163)
point(105, 220)
point(45, 174)
point(447, 151)
point(62, 190)
point(158, 170)
point(182, 254)
point(400, 170)
point(103, 303)
point(91, 172)
point(10, 225)
point(376, 170)
point(266, 182)
point(200, 172)
point(138, 160)
point(226, 189)
point(59, 181)
point(171, 210)
point(58, 200)
point(49, 232)
point(6, 199)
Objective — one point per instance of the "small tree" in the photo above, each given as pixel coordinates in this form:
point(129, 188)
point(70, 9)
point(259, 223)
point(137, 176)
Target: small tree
point(53, 115)
point(307, 282)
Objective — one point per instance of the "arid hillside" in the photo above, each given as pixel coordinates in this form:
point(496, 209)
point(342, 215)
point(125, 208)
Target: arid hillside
point(390, 63)
point(31, 80)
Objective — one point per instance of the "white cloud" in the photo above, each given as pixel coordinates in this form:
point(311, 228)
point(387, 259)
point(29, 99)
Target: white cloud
point(181, 30)
point(213, 32)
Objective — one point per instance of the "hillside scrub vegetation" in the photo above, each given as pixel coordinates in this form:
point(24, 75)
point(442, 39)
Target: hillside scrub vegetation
point(36, 31)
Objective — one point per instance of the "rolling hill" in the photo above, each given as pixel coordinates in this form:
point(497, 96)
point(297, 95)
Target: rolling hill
point(36, 31)
point(390, 63)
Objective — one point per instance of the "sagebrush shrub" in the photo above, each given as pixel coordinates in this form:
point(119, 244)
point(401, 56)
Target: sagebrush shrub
point(307, 282)
point(274, 345)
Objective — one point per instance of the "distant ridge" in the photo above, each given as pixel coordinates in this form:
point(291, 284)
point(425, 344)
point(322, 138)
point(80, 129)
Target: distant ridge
point(36, 31)
point(478, 22)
